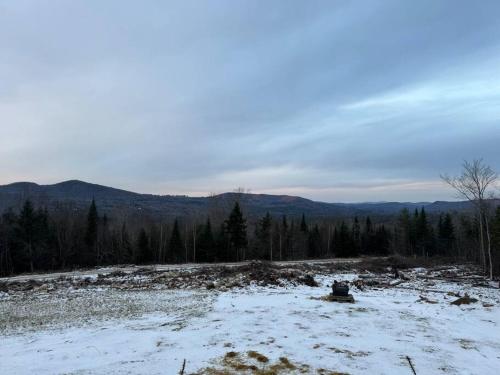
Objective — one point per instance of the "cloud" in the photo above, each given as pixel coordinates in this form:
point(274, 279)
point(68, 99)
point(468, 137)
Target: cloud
point(323, 99)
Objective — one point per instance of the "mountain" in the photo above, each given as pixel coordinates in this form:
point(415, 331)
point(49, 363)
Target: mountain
point(77, 195)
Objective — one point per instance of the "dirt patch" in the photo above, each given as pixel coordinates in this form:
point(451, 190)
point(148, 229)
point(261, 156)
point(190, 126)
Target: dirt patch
point(259, 357)
point(465, 300)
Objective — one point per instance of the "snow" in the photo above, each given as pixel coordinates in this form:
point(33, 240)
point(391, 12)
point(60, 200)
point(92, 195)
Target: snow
point(162, 328)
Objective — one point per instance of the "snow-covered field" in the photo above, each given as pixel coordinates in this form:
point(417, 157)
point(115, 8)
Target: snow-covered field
point(103, 330)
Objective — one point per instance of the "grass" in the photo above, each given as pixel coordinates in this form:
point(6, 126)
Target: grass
point(255, 363)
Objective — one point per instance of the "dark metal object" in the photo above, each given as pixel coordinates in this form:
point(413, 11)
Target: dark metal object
point(340, 289)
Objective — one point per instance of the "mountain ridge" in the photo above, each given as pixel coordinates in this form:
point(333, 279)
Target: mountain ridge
point(77, 194)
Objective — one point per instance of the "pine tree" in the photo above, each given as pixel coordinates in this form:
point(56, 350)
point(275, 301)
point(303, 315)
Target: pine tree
point(237, 232)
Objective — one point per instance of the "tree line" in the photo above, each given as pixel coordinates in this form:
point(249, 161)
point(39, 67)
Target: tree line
point(35, 240)
point(32, 239)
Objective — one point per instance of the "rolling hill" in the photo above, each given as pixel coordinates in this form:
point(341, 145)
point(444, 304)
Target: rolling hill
point(77, 195)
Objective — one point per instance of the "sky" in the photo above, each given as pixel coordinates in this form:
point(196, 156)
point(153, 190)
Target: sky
point(338, 101)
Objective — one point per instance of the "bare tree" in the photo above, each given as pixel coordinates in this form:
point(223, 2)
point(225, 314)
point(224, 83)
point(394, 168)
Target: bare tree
point(474, 184)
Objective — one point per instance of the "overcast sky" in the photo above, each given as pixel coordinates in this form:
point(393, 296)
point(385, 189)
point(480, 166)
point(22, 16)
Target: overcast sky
point(336, 100)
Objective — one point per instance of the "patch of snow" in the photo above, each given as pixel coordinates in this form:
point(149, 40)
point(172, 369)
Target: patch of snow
point(374, 335)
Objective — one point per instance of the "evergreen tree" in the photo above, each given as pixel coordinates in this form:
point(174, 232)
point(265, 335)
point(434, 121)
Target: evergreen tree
point(495, 239)
point(144, 253)
point(404, 235)
point(284, 239)
point(367, 237)
point(237, 232)
point(44, 257)
point(446, 234)
point(9, 246)
point(125, 245)
point(345, 245)
point(221, 244)
point(206, 245)
point(263, 236)
point(381, 241)
point(356, 235)
point(421, 230)
point(303, 225)
point(314, 243)
point(27, 233)
point(176, 247)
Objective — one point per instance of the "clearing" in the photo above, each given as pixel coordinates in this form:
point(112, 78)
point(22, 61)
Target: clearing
point(252, 318)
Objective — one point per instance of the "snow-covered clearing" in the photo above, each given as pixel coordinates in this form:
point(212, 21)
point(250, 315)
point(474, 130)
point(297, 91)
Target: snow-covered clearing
point(104, 330)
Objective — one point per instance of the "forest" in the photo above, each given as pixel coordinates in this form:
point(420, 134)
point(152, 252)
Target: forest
point(34, 239)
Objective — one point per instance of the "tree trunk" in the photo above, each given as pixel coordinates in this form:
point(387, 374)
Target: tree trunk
point(481, 240)
point(488, 237)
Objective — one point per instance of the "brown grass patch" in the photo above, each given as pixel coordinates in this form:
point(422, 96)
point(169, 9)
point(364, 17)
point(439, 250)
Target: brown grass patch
point(259, 357)
point(234, 363)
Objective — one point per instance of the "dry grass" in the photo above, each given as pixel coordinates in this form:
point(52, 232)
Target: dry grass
point(259, 357)
point(255, 363)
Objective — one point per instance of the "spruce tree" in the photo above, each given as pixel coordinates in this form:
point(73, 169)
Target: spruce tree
point(367, 238)
point(356, 235)
point(237, 231)
point(495, 239)
point(284, 238)
point(144, 253)
point(176, 247)
point(206, 244)
point(345, 246)
point(303, 224)
point(27, 234)
point(263, 236)
point(446, 234)
point(314, 243)
point(221, 241)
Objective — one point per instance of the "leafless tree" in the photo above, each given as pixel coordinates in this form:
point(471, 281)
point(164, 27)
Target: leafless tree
point(475, 184)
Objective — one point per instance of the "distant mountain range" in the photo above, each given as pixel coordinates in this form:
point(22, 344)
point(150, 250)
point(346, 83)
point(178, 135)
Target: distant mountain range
point(77, 195)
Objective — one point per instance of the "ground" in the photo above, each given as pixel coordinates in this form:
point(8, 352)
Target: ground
point(231, 321)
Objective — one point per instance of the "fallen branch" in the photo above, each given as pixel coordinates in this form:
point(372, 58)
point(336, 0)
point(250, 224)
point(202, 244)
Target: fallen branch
point(411, 365)
point(183, 367)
